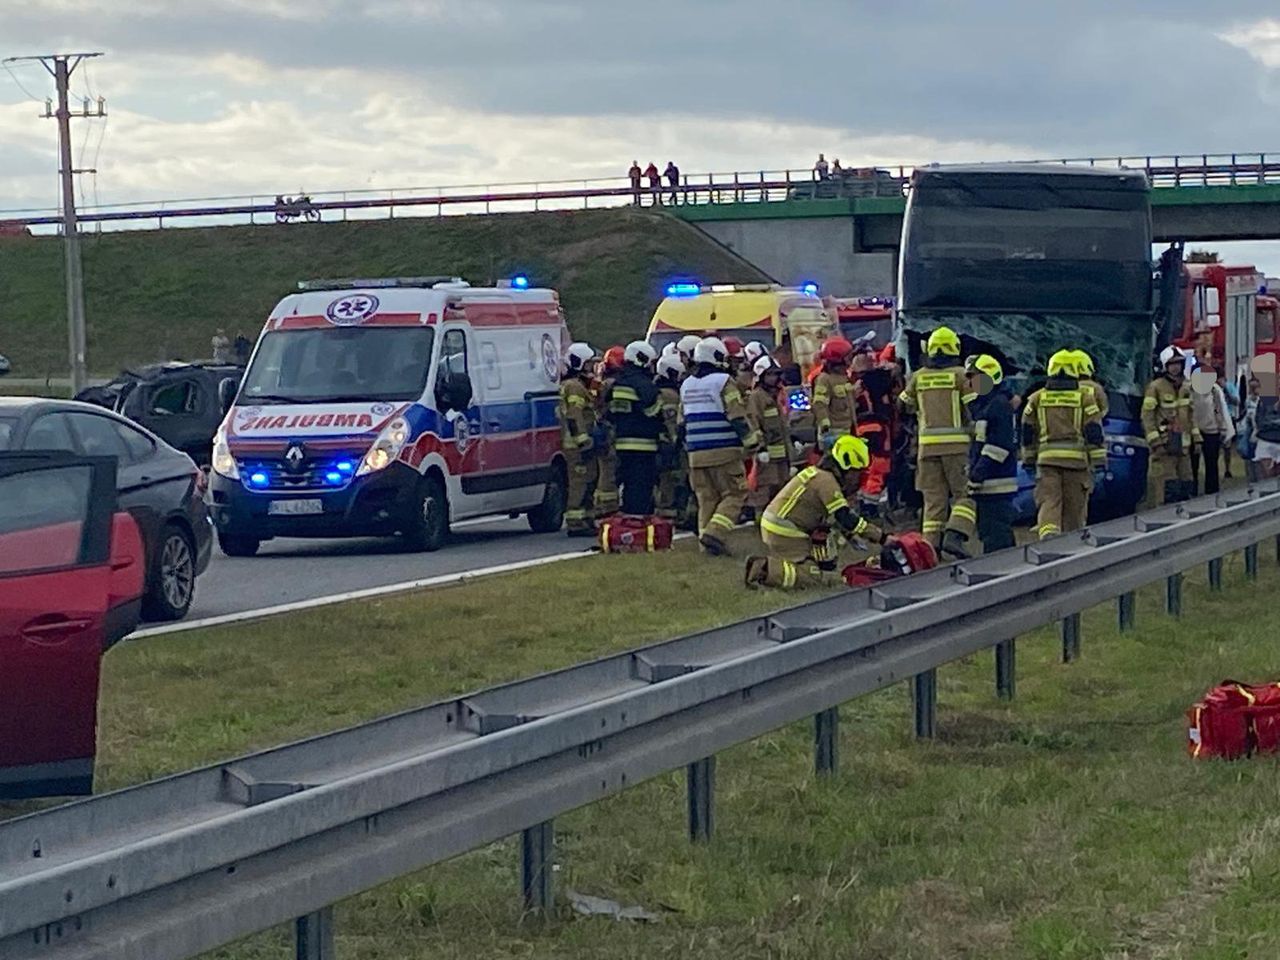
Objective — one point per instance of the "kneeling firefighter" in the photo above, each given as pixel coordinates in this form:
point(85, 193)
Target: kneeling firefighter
point(797, 525)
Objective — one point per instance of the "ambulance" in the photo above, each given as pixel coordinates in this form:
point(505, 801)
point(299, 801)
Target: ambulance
point(393, 407)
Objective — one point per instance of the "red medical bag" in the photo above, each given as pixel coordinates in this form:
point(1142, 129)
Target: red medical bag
point(621, 533)
point(1235, 720)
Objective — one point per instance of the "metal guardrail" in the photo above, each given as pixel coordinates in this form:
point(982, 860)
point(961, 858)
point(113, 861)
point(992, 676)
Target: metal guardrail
point(179, 866)
point(764, 186)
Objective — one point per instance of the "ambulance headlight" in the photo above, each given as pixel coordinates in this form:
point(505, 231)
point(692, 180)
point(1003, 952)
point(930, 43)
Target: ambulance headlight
point(224, 464)
point(391, 441)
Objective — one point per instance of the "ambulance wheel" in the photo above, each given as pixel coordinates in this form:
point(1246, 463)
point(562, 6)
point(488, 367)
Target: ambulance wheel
point(429, 527)
point(548, 516)
point(237, 544)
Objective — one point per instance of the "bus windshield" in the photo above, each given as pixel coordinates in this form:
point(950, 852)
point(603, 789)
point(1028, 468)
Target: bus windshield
point(334, 364)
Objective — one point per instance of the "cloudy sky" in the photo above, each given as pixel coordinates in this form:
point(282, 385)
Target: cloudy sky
point(237, 97)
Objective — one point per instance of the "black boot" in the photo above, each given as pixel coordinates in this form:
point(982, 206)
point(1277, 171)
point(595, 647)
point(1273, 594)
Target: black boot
point(954, 545)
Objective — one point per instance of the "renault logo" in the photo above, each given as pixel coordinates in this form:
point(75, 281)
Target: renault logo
point(294, 456)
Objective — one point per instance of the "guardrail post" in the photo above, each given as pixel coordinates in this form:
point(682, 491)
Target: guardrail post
point(925, 690)
point(1126, 610)
point(1278, 549)
point(826, 738)
point(1215, 574)
point(537, 849)
point(313, 936)
point(701, 776)
point(1173, 595)
point(1070, 637)
point(1006, 669)
point(1251, 562)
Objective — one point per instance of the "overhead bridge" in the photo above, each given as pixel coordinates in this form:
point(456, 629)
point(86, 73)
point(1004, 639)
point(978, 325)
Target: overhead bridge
point(180, 866)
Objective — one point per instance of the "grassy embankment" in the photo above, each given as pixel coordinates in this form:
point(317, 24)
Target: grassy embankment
point(1067, 824)
point(159, 294)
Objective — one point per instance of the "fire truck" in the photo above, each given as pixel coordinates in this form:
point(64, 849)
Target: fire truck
point(1225, 316)
point(863, 317)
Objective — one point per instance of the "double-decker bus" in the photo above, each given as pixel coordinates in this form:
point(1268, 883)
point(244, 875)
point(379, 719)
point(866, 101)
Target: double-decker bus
point(1022, 260)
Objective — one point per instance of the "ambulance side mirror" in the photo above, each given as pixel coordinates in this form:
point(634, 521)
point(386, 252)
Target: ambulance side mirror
point(227, 393)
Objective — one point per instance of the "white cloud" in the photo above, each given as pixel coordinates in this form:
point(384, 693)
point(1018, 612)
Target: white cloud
point(1261, 40)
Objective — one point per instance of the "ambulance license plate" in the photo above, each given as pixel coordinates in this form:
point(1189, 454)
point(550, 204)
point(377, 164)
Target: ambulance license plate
point(295, 508)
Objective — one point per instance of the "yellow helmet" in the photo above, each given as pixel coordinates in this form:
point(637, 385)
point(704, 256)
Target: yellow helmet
point(985, 363)
point(1084, 363)
point(850, 453)
point(943, 341)
point(1064, 363)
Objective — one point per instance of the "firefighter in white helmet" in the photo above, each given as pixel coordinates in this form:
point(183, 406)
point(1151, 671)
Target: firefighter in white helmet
point(717, 436)
point(1171, 431)
point(578, 431)
point(673, 464)
point(685, 347)
point(772, 467)
point(634, 409)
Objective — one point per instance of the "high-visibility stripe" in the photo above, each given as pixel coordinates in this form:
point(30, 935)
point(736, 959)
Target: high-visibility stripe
point(1153, 436)
point(720, 520)
point(788, 574)
point(624, 393)
point(648, 533)
point(945, 437)
point(999, 485)
point(575, 401)
point(1149, 403)
point(575, 514)
point(992, 452)
point(636, 445)
point(980, 431)
point(604, 536)
point(782, 528)
point(653, 409)
point(931, 526)
point(936, 380)
point(836, 503)
point(1048, 530)
point(861, 526)
point(777, 451)
point(964, 512)
point(1246, 694)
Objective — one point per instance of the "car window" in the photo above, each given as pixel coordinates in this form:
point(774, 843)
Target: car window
point(50, 433)
point(6, 431)
point(42, 517)
point(137, 443)
point(175, 399)
point(98, 437)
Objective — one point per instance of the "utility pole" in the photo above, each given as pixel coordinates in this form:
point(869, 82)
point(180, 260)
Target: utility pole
point(60, 67)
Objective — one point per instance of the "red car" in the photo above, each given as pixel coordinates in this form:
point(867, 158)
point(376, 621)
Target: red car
point(72, 570)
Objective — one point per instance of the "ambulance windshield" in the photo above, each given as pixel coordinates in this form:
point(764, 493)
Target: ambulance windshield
point(336, 364)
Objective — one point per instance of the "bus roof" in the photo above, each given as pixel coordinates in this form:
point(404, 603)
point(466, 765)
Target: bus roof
point(984, 173)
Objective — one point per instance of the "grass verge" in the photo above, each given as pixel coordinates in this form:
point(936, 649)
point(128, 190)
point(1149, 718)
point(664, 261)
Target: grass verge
point(1067, 824)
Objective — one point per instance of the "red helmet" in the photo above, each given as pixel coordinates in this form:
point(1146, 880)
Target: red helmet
point(836, 350)
point(889, 354)
point(908, 553)
point(733, 346)
point(614, 359)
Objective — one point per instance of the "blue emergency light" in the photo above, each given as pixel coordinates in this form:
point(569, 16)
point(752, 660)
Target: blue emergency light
point(258, 479)
point(333, 477)
point(344, 466)
point(520, 282)
point(683, 289)
point(798, 400)
point(809, 288)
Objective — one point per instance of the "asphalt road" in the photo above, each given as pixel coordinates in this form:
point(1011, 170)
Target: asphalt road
point(285, 571)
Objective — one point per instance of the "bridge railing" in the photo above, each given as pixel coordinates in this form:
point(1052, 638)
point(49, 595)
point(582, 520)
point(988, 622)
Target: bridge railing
point(762, 186)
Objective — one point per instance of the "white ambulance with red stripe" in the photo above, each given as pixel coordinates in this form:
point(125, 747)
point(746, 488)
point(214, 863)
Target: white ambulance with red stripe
point(384, 407)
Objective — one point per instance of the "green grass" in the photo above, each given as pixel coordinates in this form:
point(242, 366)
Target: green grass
point(1067, 824)
point(160, 294)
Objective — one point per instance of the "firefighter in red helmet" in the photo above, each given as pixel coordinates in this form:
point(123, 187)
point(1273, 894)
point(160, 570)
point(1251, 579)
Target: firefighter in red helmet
point(833, 393)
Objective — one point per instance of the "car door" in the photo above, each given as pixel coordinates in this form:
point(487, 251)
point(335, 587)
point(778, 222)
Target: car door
point(175, 411)
point(458, 357)
point(56, 517)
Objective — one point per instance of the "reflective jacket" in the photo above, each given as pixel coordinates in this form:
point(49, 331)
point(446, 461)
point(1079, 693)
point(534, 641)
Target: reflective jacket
point(993, 454)
point(577, 413)
point(1166, 415)
point(937, 397)
point(833, 409)
point(766, 419)
point(669, 394)
point(714, 418)
point(812, 501)
point(1061, 426)
point(633, 407)
point(1099, 396)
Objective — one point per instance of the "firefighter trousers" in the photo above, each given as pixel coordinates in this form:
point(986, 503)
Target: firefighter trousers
point(791, 564)
point(995, 522)
point(721, 491)
point(637, 476)
point(673, 492)
point(1169, 478)
point(583, 474)
point(1062, 498)
point(943, 483)
point(606, 496)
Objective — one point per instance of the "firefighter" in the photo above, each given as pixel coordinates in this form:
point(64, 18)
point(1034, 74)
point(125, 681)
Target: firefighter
point(753, 351)
point(833, 393)
point(773, 461)
point(634, 411)
point(716, 436)
point(1060, 429)
point(797, 524)
point(740, 366)
point(937, 397)
point(673, 465)
point(606, 496)
point(577, 431)
point(993, 454)
point(1170, 430)
point(685, 347)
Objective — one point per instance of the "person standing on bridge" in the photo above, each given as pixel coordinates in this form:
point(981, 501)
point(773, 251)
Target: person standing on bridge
point(634, 173)
point(655, 183)
point(821, 169)
point(672, 173)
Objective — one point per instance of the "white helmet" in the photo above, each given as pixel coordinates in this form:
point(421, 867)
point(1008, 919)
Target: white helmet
point(578, 356)
point(1171, 354)
point(640, 353)
point(764, 365)
point(754, 351)
point(670, 350)
point(686, 345)
point(670, 365)
point(711, 350)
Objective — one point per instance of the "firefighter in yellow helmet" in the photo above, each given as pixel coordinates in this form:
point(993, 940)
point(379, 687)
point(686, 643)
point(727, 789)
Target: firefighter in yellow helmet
point(797, 526)
point(937, 396)
point(1171, 431)
point(1084, 366)
point(1061, 428)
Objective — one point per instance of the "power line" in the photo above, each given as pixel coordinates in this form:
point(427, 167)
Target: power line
point(30, 95)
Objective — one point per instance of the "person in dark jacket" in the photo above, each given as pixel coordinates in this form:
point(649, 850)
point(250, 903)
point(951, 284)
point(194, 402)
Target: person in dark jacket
point(633, 405)
point(993, 454)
